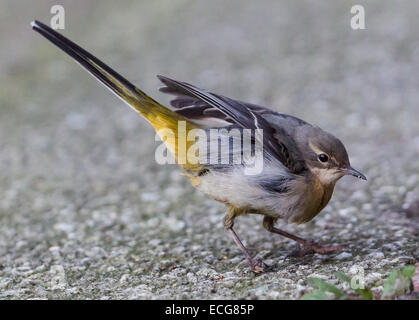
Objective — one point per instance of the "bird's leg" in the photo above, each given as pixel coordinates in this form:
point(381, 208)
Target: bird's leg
point(309, 246)
point(256, 265)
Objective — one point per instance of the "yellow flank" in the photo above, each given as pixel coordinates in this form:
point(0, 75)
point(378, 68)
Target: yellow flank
point(172, 128)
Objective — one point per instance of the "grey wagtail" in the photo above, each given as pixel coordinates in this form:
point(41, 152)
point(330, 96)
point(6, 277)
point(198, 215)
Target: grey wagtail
point(302, 163)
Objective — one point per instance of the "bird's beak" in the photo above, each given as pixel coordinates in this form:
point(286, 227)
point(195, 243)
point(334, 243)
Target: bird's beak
point(353, 172)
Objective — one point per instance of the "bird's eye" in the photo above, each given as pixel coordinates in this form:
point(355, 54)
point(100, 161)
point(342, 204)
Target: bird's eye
point(323, 157)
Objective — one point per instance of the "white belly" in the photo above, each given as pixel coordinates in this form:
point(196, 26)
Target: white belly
point(241, 191)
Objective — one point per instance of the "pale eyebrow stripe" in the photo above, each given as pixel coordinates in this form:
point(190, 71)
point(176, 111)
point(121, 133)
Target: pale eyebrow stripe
point(318, 151)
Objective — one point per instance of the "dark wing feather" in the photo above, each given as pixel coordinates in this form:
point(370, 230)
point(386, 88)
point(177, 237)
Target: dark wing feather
point(194, 102)
point(196, 109)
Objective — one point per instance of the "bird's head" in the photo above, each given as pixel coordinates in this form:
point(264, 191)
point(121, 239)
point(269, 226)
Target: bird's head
point(326, 156)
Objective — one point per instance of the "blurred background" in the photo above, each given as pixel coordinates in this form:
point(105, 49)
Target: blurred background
point(85, 211)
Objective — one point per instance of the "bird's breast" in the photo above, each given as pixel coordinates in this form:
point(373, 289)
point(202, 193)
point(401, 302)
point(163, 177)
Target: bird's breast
point(312, 201)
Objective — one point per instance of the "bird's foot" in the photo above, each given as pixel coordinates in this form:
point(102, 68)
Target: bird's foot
point(257, 266)
point(325, 249)
point(309, 246)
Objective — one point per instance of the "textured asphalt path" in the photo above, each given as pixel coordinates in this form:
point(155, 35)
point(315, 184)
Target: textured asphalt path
point(85, 211)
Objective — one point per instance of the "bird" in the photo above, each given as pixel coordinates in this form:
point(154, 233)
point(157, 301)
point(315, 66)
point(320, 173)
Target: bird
point(301, 162)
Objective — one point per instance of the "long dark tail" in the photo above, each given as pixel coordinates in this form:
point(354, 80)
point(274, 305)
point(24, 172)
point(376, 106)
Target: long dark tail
point(159, 116)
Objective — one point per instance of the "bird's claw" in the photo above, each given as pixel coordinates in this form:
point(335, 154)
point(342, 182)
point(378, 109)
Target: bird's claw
point(257, 266)
point(310, 247)
point(325, 249)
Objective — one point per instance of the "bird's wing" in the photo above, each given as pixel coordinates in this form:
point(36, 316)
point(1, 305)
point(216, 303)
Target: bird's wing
point(194, 103)
point(195, 109)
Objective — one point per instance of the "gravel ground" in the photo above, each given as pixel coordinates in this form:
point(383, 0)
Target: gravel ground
point(85, 211)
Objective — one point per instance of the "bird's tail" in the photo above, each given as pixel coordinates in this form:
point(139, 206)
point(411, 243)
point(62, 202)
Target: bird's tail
point(160, 117)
